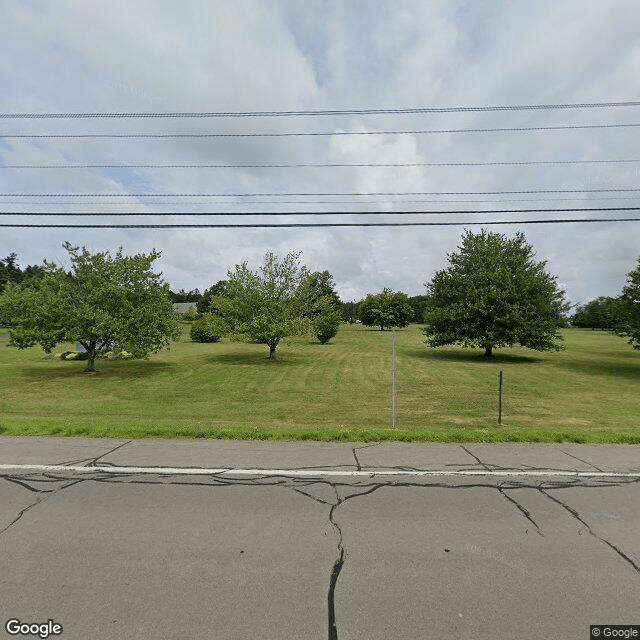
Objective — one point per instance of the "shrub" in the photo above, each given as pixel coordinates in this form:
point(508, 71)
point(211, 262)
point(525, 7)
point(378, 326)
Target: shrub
point(74, 355)
point(126, 355)
point(190, 315)
point(325, 326)
point(207, 328)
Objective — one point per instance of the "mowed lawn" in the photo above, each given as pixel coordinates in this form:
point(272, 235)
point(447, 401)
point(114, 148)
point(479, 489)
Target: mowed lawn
point(340, 391)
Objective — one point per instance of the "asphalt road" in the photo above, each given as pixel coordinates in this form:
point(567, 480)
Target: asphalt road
point(234, 540)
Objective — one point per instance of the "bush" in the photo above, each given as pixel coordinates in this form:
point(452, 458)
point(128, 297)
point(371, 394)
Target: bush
point(74, 355)
point(190, 315)
point(325, 326)
point(207, 328)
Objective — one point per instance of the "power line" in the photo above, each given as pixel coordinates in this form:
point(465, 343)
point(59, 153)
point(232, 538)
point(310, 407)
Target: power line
point(322, 112)
point(312, 213)
point(314, 224)
point(281, 202)
point(320, 165)
point(323, 193)
point(319, 133)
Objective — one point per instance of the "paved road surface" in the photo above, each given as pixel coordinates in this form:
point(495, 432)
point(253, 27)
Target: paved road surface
point(234, 540)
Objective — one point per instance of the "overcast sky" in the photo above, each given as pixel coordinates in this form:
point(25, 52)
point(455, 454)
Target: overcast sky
point(72, 56)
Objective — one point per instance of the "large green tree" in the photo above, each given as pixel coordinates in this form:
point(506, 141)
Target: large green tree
point(101, 300)
point(265, 305)
point(494, 294)
point(386, 309)
point(629, 322)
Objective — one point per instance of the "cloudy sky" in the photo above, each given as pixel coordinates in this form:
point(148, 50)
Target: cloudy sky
point(151, 56)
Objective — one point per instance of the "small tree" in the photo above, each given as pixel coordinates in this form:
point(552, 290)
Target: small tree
point(190, 315)
point(386, 309)
point(327, 320)
point(207, 328)
point(319, 286)
point(629, 322)
point(267, 305)
point(102, 300)
point(493, 294)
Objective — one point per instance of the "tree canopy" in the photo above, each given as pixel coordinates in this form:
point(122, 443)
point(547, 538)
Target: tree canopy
point(11, 272)
point(185, 296)
point(386, 309)
point(629, 322)
point(494, 294)
point(327, 318)
point(319, 285)
point(265, 305)
point(602, 313)
point(220, 288)
point(102, 300)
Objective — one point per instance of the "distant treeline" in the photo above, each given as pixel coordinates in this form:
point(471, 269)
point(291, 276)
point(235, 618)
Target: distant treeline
point(11, 272)
point(351, 310)
point(186, 296)
point(604, 313)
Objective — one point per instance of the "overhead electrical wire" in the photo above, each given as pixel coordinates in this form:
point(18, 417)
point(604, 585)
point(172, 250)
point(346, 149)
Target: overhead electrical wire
point(319, 165)
point(319, 133)
point(281, 202)
point(321, 112)
point(313, 224)
point(312, 213)
point(335, 112)
point(321, 193)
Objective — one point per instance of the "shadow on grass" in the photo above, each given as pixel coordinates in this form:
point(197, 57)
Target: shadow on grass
point(252, 359)
point(614, 369)
point(472, 355)
point(104, 370)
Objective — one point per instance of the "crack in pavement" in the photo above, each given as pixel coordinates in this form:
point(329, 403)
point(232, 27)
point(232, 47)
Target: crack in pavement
point(576, 515)
point(366, 446)
point(93, 462)
point(475, 457)
point(344, 490)
point(20, 514)
point(48, 493)
point(339, 562)
point(525, 513)
point(335, 572)
point(28, 486)
point(581, 460)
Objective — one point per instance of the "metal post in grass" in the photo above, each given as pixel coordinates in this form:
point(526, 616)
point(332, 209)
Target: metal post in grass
point(393, 377)
point(500, 400)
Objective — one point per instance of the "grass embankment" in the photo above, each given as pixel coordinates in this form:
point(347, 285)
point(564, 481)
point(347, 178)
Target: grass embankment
point(340, 391)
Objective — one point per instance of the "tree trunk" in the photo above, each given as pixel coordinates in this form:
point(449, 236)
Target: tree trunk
point(488, 351)
point(381, 327)
point(91, 357)
point(273, 345)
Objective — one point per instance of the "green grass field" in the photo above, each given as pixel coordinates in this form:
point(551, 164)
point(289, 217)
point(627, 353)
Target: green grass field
point(340, 391)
